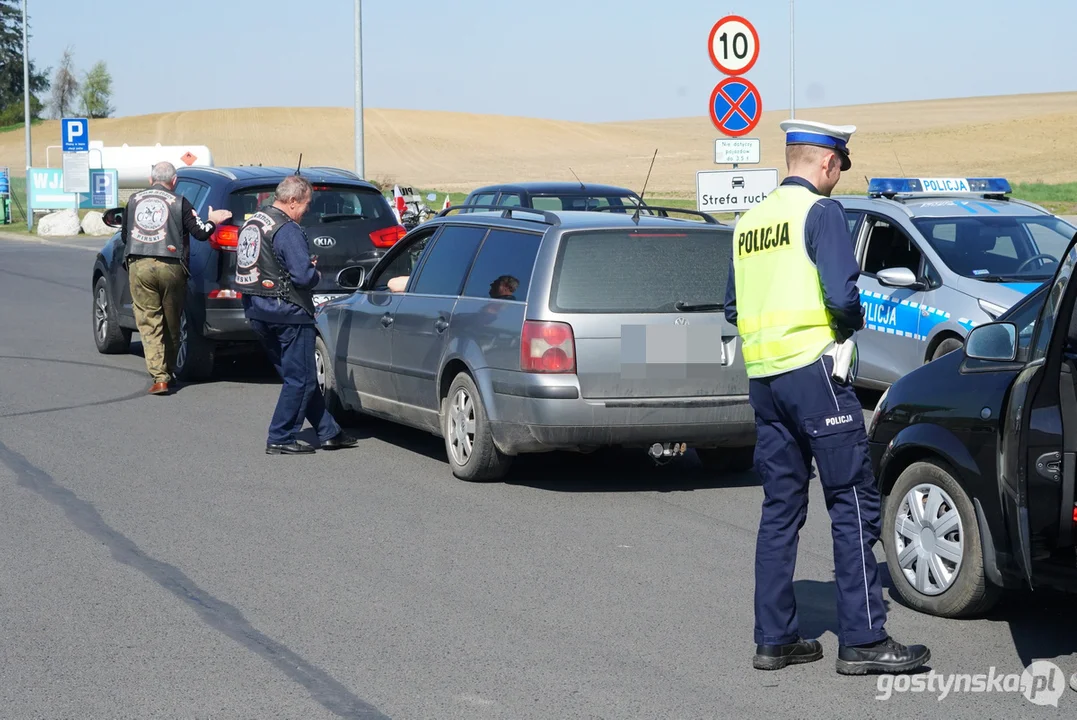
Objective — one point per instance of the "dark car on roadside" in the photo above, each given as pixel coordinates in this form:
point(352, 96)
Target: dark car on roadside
point(349, 224)
point(976, 453)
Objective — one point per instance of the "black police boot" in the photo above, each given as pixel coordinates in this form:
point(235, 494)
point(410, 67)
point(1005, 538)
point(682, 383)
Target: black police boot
point(885, 656)
point(338, 441)
point(292, 448)
point(775, 657)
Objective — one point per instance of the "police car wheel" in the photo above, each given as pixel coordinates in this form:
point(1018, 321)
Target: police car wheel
point(946, 347)
point(468, 440)
point(932, 543)
point(727, 460)
point(195, 354)
point(109, 337)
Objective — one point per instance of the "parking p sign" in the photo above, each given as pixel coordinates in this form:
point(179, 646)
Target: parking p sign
point(104, 188)
point(75, 135)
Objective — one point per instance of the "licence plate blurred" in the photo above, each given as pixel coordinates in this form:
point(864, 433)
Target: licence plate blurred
point(323, 299)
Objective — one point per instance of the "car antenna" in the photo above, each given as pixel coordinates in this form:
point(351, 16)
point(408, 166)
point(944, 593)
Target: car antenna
point(300, 163)
point(635, 215)
point(896, 157)
point(582, 186)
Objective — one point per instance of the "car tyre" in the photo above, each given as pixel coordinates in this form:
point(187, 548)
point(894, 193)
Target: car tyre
point(110, 338)
point(969, 592)
point(946, 347)
point(727, 460)
point(195, 354)
point(469, 443)
point(327, 383)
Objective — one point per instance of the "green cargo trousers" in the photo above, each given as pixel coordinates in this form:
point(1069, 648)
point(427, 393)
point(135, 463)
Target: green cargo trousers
point(158, 288)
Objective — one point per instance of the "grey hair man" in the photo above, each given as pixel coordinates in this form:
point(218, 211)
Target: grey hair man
point(156, 224)
point(276, 273)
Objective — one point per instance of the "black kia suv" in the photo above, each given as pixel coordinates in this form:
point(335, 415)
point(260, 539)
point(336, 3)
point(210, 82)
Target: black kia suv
point(349, 223)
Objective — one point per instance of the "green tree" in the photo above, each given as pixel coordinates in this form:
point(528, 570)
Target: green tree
point(65, 86)
point(97, 92)
point(11, 85)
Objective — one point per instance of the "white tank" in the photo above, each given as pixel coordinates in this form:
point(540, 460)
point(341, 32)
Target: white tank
point(133, 162)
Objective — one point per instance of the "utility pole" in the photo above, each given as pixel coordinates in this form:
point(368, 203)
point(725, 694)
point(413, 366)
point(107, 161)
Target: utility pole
point(26, 108)
point(792, 66)
point(359, 163)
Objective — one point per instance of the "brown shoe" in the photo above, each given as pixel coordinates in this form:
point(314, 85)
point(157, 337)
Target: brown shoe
point(160, 388)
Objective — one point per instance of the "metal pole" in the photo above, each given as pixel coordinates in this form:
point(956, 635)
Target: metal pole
point(792, 66)
point(26, 110)
point(359, 164)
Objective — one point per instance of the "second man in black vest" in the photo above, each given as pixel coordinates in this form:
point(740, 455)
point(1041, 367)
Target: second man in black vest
point(276, 274)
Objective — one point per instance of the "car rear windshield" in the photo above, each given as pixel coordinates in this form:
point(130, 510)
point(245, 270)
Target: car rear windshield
point(646, 271)
point(580, 202)
point(329, 204)
point(998, 248)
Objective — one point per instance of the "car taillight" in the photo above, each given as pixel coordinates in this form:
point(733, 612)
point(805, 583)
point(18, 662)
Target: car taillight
point(387, 237)
point(224, 295)
point(225, 237)
point(547, 347)
point(1075, 513)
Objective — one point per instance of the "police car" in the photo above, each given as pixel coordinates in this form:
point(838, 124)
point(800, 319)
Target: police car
point(939, 256)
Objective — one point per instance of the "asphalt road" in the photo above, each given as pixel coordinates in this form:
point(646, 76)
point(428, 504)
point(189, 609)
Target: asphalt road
point(154, 562)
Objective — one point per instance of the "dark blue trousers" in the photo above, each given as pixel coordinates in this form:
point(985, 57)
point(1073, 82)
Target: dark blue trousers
point(291, 350)
point(800, 415)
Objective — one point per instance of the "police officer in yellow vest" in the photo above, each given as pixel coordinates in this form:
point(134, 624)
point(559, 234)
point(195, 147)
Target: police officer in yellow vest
point(792, 295)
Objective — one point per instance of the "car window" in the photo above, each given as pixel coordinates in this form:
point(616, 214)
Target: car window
point(580, 202)
point(889, 247)
point(1049, 313)
point(483, 199)
point(503, 267)
point(650, 272)
point(446, 263)
point(852, 218)
point(998, 247)
point(1025, 319)
point(509, 200)
point(404, 263)
point(329, 204)
point(194, 192)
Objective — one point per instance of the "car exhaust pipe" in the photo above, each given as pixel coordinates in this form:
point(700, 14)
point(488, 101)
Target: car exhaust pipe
point(660, 451)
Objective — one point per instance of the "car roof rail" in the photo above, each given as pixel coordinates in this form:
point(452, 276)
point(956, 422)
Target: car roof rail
point(338, 171)
point(220, 171)
point(662, 212)
point(507, 212)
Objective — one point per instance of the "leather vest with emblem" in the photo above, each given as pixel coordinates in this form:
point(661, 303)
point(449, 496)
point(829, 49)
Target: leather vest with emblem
point(258, 269)
point(155, 225)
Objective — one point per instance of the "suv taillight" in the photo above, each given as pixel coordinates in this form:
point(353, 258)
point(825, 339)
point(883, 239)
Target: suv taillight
point(225, 237)
point(547, 347)
point(387, 237)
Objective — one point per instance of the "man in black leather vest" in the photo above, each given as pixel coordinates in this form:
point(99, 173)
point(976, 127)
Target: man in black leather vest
point(156, 224)
point(276, 274)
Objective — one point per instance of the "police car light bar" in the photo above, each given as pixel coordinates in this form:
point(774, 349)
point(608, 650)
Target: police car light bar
point(897, 186)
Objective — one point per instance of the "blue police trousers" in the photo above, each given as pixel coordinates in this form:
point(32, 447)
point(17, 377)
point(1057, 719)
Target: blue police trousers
point(291, 350)
point(800, 415)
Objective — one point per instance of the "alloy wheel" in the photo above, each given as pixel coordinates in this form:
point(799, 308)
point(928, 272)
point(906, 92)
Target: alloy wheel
point(100, 313)
point(461, 426)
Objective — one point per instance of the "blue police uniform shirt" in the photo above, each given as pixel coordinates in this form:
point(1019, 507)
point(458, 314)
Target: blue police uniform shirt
point(830, 247)
point(294, 255)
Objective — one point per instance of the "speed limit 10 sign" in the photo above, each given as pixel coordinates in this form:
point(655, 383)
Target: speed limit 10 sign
point(734, 45)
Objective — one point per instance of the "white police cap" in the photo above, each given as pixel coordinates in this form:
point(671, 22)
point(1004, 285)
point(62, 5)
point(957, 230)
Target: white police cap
point(832, 137)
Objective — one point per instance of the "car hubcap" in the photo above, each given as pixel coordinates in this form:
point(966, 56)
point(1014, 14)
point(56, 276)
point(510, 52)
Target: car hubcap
point(319, 367)
point(929, 539)
point(461, 426)
point(181, 351)
point(100, 313)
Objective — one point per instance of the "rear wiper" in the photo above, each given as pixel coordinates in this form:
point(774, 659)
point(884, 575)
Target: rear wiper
point(698, 307)
point(341, 216)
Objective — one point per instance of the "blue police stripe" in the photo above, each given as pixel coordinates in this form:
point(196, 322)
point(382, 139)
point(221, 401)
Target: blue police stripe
point(814, 139)
point(889, 316)
point(1023, 288)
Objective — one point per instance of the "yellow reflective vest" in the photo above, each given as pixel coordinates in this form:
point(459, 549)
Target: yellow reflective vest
point(781, 318)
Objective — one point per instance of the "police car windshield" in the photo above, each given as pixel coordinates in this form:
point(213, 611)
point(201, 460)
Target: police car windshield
point(998, 248)
point(330, 203)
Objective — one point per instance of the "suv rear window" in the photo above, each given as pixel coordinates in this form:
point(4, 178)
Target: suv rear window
point(641, 272)
point(330, 203)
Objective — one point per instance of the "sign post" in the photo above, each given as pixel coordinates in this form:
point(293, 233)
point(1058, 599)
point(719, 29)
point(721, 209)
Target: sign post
point(75, 144)
point(5, 196)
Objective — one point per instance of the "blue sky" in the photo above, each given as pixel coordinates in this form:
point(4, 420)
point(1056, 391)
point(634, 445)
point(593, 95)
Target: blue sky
point(592, 60)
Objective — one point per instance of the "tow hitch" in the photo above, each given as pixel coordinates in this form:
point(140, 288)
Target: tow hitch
point(662, 453)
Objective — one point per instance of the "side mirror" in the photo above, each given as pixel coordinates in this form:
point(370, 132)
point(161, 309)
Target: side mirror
point(898, 277)
point(113, 217)
point(432, 197)
point(351, 278)
point(995, 341)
